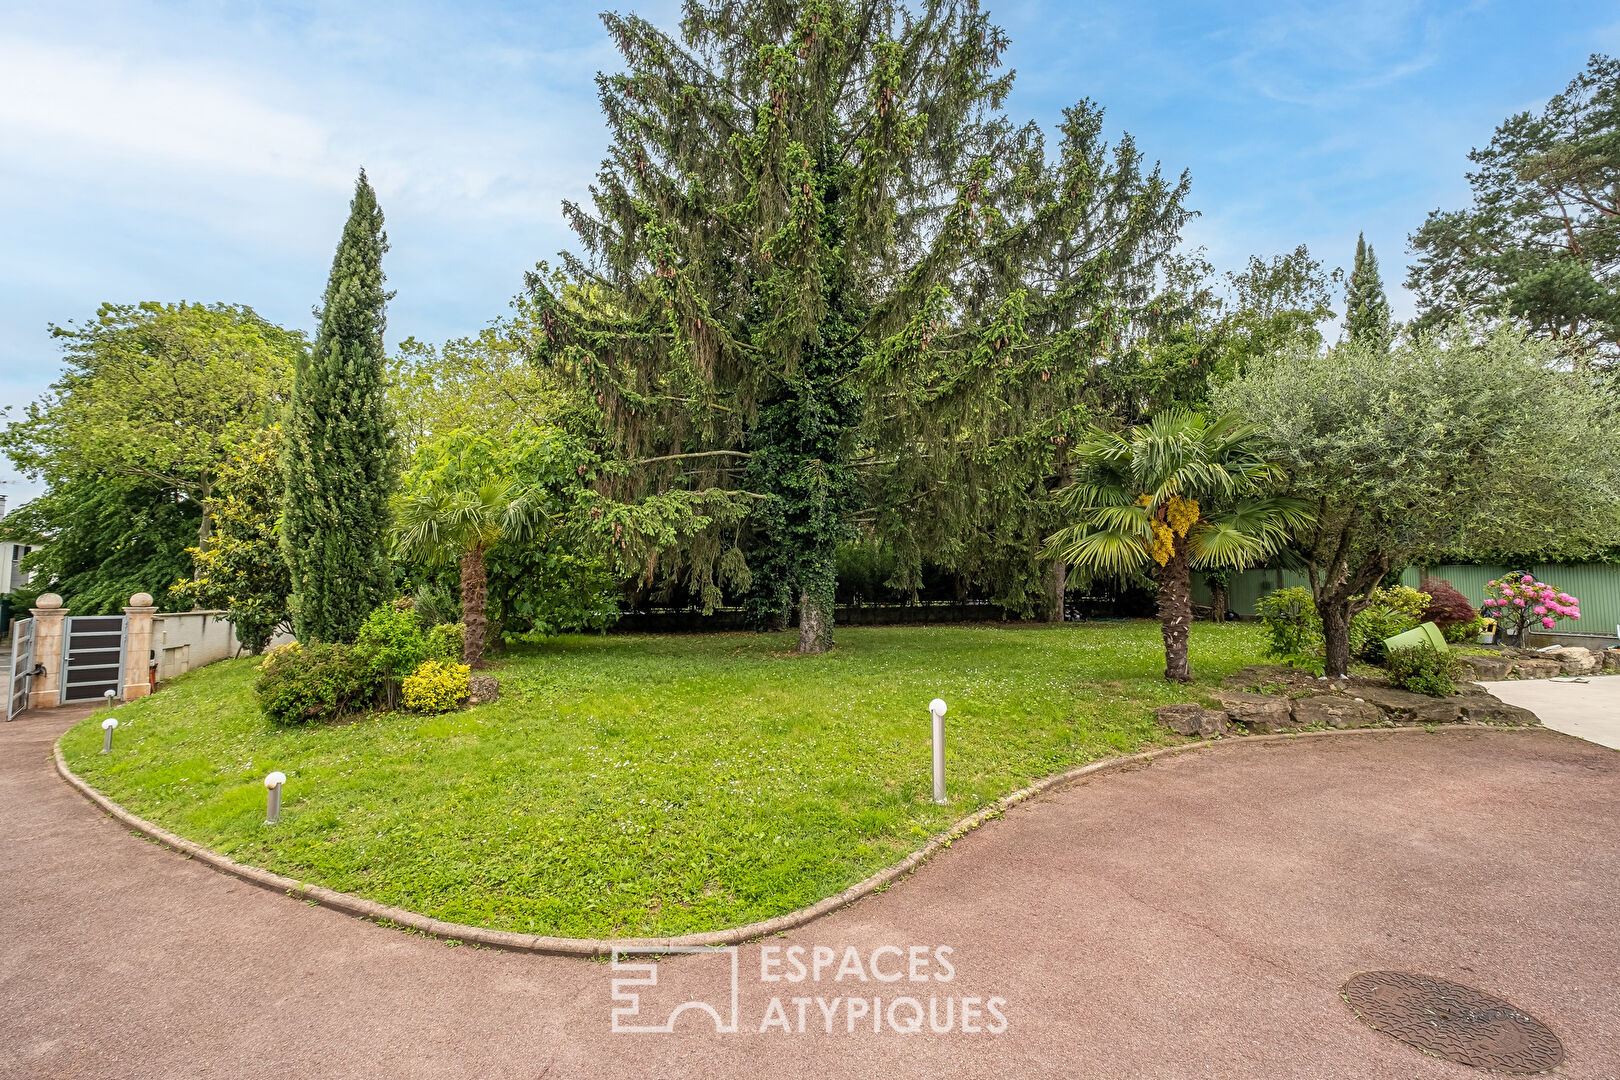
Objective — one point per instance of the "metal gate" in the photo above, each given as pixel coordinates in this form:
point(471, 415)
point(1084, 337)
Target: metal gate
point(93, 656)
point(20, 674)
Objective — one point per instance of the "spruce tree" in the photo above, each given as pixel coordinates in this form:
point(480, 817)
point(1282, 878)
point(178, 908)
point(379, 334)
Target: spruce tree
point(1367, 309)
point(339, 458)
point(829, 285)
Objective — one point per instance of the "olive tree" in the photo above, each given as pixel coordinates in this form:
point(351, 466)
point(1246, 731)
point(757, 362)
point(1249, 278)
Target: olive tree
point(1451, 442)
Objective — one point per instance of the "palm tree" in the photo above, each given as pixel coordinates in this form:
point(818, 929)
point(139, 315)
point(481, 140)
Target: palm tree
point(1178, 492)
point(453, 522)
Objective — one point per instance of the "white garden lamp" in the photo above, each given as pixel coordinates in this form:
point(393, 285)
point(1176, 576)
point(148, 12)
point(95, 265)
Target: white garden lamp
point(107, 726)
point(272, 785)
point(937, 709)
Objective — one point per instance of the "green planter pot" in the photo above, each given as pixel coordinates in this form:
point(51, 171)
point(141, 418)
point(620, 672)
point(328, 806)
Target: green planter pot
point(1427, 634)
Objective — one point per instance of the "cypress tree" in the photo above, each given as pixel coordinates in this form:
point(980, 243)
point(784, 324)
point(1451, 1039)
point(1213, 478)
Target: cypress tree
point(1367, 316)
point(339, 457)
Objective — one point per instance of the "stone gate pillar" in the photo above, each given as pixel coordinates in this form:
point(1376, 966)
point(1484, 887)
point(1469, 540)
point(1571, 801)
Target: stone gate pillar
point(138, 646)
point(45, 690)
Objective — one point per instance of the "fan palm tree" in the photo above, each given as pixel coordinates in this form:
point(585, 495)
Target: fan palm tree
point(450, 522)
point(1178, 492)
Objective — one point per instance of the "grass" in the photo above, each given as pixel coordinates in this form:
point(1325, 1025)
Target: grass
point(646, 785)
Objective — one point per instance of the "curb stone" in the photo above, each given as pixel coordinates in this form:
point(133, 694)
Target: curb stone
point(372, 911)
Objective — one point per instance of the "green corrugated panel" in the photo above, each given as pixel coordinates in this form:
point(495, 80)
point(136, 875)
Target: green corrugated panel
point(1596, 584)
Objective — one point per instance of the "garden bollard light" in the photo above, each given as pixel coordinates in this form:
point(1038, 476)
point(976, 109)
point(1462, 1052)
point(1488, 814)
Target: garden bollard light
point(272, 784)
point(937, 708)
point(107, 726)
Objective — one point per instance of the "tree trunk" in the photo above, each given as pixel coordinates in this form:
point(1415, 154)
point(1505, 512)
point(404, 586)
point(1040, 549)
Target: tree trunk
point(1217, 603)
point(1056, 587)
point(815, 622)
point(472, 606)
point(1175, 612)
point(1336, 637)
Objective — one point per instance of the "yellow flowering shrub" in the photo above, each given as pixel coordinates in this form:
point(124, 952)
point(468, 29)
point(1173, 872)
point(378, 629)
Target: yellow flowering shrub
point(435, 686)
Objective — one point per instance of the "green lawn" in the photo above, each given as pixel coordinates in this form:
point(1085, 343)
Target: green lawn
point(646, 785)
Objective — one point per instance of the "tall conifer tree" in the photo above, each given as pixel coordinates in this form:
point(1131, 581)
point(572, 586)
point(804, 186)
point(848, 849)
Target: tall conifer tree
point(1366, 317)
point(339, 456)
point(830, 285)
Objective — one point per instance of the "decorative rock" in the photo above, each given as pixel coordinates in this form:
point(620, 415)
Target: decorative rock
point(1489, 668)
point(48, 600)
point(1396, 703)
point(1445, 710)
point(1261, 713)
point(141, 599)
point(1576, 660)
point(1487, 709)
point(1611, 660)
point(1265, 675)
point(482, 689)
point(1192, 719)
point(1537, 669)
point(1332, 710)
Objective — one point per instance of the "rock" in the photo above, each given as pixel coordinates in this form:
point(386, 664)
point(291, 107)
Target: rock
point(1192, 719)
point(1537, 669)
point(1443, 710)
point(1489, 668)
point(1576, 660)
point(1261, 713)
point(1397, 704)
point(482, 689)
point(1336, 711)
point(1611, 659)
point(1487, 709)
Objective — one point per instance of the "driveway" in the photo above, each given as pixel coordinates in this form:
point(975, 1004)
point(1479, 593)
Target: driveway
point(1192, 918)
point(1588, 710)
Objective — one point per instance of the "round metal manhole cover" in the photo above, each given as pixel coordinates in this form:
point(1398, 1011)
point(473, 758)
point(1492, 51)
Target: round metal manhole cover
point(1453, 1021)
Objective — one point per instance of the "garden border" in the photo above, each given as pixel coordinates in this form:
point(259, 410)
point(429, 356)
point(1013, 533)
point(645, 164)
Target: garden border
point(593, 947)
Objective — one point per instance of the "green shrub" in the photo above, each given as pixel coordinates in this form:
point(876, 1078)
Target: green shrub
point(444, 641)
point(1423, 669)
point(304, 684)
point(392, 642)
point(1457, 633)
point(436, 686)
point(1389, 612)
point(1293, 630)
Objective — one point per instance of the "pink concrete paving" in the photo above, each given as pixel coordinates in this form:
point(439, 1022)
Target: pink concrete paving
point(1189, 919)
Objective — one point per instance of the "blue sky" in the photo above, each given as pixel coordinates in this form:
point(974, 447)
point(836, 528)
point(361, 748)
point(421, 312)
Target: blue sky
point(205, 151)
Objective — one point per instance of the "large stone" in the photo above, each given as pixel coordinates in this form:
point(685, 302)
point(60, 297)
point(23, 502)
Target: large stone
point(1611, 659)
point(1537, 669)
point(1336, 711)
point(1256, 676)
point(1576, 660)
point(1260, 713)
point(1489, 668)
point(1441, 710)
point(1394, 702)
point(1192, 719)
point(1487, 709)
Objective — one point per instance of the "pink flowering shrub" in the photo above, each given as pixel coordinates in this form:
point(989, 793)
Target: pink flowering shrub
point(1519, 601)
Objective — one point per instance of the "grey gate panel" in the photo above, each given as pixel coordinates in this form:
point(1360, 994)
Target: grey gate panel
point(93, 656)
point(19, 675)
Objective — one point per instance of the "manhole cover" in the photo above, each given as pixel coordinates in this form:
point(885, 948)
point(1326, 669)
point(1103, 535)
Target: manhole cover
point(1453, 1021)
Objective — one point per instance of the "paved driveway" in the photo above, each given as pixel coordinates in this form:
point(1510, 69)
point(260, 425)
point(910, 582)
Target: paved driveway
point(1193, 918)
point(1588, 710)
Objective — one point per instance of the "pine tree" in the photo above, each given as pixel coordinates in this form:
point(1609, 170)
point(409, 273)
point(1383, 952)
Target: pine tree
point(339, 459)
point(828, 279)
point(1366, 317)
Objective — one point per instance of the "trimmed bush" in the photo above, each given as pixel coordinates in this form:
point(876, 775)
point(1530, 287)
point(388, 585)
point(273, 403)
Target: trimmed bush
point(445, 640)
point(392, 642)
point(1424, 670)
point(306, 684)
point(436, 686)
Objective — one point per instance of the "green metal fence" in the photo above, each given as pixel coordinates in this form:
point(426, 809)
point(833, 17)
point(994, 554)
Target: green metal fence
point(1596, 584)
